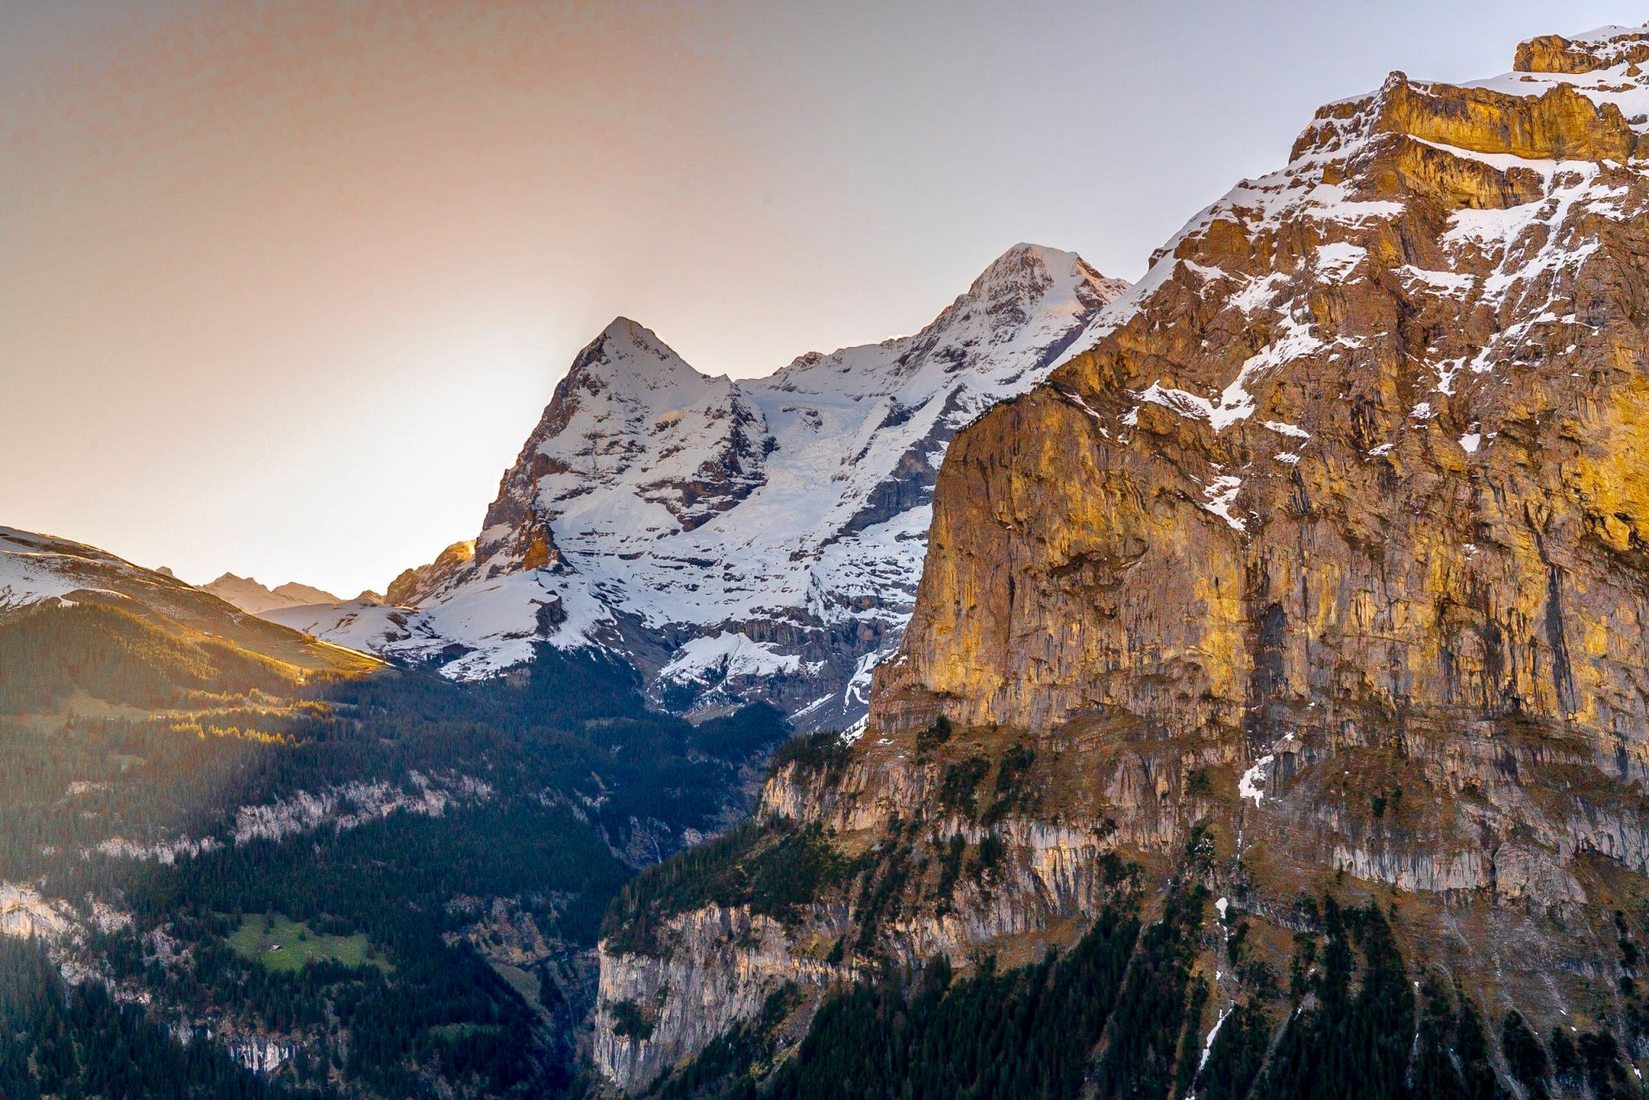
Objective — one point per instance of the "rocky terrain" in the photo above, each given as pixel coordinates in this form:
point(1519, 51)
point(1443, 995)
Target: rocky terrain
point(1316, 584)
point(735, 540)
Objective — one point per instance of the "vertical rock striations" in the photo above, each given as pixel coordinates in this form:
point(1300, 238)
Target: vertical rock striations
point(1323, 570)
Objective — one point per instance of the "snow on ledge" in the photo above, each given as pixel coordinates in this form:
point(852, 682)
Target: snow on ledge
point(726, 655)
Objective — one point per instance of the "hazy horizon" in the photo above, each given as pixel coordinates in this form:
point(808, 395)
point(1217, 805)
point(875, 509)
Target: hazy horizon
point(284, 286)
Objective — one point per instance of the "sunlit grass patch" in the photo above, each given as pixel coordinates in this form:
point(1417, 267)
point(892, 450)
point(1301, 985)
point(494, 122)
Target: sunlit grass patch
point(280, 944)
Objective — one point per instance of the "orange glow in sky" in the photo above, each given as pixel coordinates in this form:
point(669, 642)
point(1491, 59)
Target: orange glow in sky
point(284, 285)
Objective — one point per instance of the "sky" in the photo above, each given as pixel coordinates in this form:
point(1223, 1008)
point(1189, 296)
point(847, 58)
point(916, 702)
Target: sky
point(285, 284)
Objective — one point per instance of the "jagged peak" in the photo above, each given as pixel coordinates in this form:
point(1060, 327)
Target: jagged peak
point(1027, 271)
point(1012, 288)
point(634, 332)
point(1584, 97)
point(412, 586)
point(1029, 252)
point(1025, 281)
point(629, 350)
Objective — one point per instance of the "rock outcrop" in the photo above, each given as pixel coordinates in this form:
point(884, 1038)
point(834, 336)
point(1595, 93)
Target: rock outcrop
point(413, 586)
point(1325, 563)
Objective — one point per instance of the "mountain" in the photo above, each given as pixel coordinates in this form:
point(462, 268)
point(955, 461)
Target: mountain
point(1277, 663)
point(238, 861)
point(749, 539)
point(414, 586)
point(46, 572)
point(248, 595)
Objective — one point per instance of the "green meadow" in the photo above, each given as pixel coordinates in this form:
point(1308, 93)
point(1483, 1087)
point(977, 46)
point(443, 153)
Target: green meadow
point(286, 945)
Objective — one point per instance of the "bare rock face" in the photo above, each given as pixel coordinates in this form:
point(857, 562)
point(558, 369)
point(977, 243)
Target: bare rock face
point(1551, 53)
point(1361, 444)
point(1329, 558)
point(1350, 479)
point(413, 586)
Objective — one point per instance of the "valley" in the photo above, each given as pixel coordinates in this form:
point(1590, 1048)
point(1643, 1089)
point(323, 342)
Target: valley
point(350, 877)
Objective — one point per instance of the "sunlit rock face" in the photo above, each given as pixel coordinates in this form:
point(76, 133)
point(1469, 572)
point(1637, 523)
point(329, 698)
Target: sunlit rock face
point(1361, 438)
point(1331, 545)
point(413, 586)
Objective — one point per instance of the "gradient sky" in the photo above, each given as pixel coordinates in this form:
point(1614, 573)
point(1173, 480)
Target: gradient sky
point(285, 284)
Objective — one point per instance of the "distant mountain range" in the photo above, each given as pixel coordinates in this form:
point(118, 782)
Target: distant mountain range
point(248, 595)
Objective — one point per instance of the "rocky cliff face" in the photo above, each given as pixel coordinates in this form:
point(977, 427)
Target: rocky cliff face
point(413, 586)
point(737, 540)
point(1324, 564)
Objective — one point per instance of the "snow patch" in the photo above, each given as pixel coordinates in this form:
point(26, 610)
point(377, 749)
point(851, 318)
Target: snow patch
point(1337, 260)
point(724, 656)
point(1208, 1043)
point(1222, 494)
point(1252, 783)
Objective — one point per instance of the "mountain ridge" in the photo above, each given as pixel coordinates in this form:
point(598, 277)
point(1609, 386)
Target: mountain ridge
point(46, 571)
point(1307, 596)
point(248, 595)
point(737, 539)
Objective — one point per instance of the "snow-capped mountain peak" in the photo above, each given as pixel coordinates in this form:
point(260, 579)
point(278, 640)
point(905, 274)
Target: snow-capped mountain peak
point(725, 535)
point(632, 354)
point(1016, 317)
point(634, 438)
point(1026, 272)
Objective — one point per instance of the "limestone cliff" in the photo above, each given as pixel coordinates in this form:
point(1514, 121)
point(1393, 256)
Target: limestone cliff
point(1327, 565)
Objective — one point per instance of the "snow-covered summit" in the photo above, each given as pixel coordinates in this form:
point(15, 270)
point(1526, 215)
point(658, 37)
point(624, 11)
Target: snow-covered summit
point(673, 447)
point(630, 357)
point(1016, 314)
point(751, 537)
